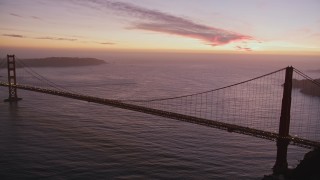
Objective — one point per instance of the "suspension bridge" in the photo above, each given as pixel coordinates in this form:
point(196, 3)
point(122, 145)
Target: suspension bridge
point(269, 106)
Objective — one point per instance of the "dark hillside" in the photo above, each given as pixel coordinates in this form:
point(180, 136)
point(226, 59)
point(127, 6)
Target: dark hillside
point(60, 62)
point(307, 87)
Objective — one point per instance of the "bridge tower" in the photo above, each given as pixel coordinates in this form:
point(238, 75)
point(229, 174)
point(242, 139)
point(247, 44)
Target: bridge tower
point(12, 80)
point(281, 164)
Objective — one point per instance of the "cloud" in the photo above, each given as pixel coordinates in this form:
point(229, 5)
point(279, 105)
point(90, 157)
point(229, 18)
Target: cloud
point(20, 16)
point(243, 48)
point(44, 38)
point(106, 43)
point(14, 35)
point(209, 35)
point(57, 39)
point(97, 42)
point(36, 17)
point(16, 15)
point(156, 21)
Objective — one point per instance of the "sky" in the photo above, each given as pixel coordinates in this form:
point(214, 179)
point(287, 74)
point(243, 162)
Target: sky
point(210, 26)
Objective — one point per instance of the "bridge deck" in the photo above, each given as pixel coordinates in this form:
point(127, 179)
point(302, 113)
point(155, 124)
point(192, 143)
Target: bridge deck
point(181, 117)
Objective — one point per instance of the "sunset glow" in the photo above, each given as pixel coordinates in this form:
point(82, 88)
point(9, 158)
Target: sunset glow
point(256, 27)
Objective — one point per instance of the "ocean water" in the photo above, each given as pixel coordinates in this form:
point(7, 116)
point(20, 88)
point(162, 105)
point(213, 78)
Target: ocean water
point(48, 137)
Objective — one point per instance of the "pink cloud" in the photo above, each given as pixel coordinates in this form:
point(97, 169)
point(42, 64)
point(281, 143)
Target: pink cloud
point(156, 21)
point(209, 35)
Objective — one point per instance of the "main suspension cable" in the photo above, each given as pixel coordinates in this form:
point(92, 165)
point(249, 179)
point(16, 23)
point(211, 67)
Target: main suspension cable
point(43, 79)
point(176, 97)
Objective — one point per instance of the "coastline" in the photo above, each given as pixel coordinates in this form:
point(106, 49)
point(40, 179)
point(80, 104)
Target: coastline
point(307, 87)
point(54, 62)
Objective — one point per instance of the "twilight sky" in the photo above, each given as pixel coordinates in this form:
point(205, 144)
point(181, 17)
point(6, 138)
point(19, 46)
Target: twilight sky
point(228, 26)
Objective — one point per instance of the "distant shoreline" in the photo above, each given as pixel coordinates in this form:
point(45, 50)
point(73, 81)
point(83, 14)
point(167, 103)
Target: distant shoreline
point(55, 62)
point(307, 87)
point(315, 71)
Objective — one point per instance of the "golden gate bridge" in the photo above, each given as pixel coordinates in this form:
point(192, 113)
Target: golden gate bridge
point(246, 107)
